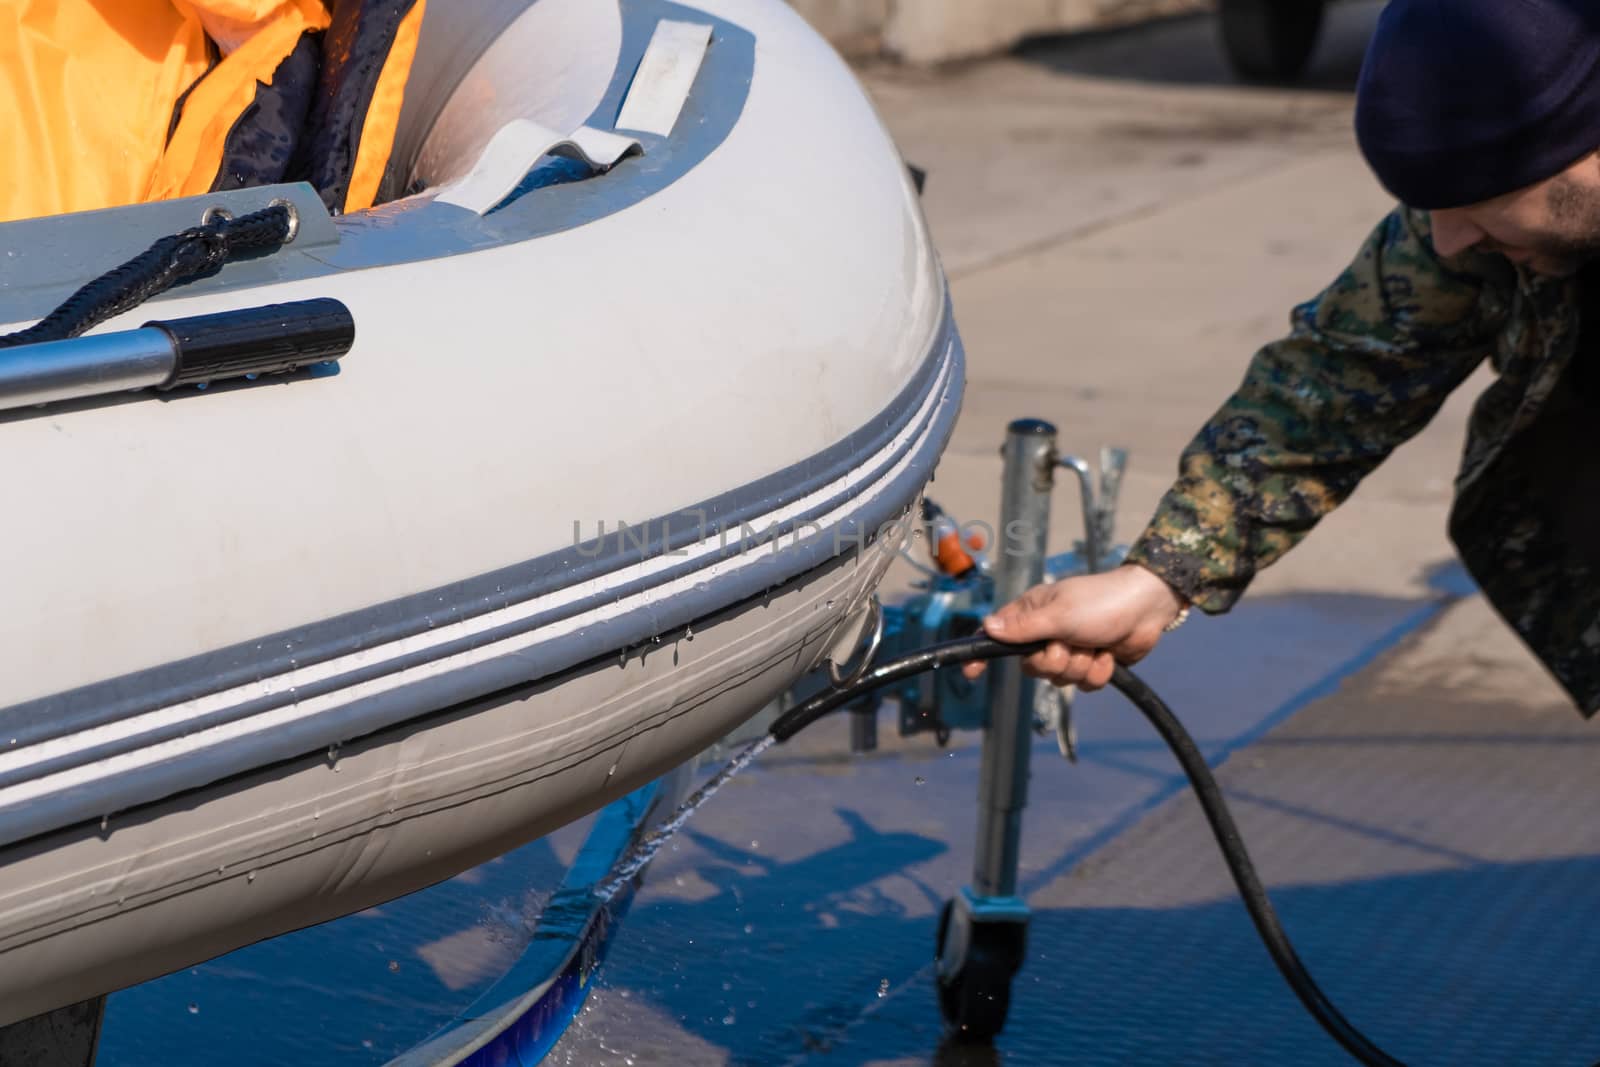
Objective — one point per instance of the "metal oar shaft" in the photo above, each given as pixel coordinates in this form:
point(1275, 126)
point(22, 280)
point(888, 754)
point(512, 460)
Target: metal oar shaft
point(85, 366)
point(230, 344)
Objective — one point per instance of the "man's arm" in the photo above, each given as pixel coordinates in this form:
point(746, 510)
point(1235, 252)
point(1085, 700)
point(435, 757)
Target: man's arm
point(1367, 365)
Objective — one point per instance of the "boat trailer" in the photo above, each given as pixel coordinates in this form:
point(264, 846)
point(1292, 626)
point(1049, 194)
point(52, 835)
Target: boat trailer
point(982, 933)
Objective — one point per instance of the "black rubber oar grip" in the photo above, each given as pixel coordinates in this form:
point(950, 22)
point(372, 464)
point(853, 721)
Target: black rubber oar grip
point(262, 340)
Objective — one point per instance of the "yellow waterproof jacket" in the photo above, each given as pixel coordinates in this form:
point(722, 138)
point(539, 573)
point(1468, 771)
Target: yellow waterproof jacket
point(112, 102)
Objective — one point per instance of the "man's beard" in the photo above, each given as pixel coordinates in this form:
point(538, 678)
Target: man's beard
point(1575, 211)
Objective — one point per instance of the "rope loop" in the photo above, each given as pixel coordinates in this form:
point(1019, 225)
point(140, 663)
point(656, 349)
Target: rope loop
point(192, 253)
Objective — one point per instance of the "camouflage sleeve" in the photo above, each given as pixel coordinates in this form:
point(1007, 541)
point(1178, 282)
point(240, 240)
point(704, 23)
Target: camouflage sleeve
point(1366, 365)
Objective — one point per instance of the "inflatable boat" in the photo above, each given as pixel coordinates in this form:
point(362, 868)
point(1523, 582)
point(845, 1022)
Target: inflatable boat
point(652, 360)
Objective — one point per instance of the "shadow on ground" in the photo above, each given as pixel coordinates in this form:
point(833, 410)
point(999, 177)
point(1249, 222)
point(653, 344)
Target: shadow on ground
point(1187, 50)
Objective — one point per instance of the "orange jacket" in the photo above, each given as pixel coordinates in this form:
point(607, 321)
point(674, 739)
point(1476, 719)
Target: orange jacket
point(112, 102)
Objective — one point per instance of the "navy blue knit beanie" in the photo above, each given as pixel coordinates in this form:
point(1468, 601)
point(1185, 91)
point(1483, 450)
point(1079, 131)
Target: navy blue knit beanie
point(1462, 101)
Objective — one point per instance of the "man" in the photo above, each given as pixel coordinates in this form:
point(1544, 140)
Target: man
point(1483, 118)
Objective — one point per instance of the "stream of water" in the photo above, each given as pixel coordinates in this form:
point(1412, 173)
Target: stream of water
point(644, 850)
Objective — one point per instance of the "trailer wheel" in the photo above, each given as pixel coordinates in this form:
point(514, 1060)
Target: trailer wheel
point(1270, 41)
point(975, 991)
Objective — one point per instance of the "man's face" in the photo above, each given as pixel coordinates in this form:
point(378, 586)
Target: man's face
point(1552, 228)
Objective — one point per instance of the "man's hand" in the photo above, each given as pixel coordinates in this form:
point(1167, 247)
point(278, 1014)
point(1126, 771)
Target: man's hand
point(1092, 622)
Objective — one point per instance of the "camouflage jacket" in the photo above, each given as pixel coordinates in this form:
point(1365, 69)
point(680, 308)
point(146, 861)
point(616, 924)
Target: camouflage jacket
point(1366, 365)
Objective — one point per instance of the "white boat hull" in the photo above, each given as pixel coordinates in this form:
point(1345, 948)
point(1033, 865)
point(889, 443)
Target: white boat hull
point(277, 653)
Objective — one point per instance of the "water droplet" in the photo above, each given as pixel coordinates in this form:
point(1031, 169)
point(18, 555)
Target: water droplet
point(105, 821)
point(394, 966)
point(755, 844)
point(921, 780)
point(688, 632)
point(883, 988)
point(250, 877)
point(366, 1042)
point(727, 1020)
point(749, 928)
point(727, 987)
point(194, 1009)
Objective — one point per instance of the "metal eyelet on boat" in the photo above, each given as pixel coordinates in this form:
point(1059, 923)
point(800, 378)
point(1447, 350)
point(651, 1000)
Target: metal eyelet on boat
point(215, 214)
point(294, 217)
point(868, 656)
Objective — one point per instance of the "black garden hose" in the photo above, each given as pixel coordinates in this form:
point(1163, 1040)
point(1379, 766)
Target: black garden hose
point(1256, 901)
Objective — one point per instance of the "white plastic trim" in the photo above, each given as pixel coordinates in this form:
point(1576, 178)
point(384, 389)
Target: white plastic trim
point(517, 148)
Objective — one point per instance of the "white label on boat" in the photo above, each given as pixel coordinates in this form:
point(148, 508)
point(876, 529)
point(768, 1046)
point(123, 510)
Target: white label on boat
point(666, 73)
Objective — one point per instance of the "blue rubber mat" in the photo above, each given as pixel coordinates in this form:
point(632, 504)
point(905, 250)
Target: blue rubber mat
point(795, 922)
point(1433, 855)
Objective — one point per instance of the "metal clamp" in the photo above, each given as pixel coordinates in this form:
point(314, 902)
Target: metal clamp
point(1091, 528)
point(1099, 509)
point(868, 656)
